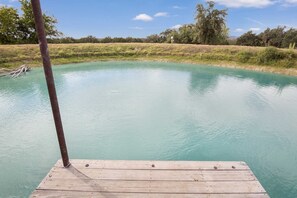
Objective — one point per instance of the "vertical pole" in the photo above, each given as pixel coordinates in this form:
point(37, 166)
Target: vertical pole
point(50, 79)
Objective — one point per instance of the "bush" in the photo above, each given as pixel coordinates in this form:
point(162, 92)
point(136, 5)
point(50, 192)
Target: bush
point(270, 55)
point(287, 63)
point(290, 59)
point(244, 56)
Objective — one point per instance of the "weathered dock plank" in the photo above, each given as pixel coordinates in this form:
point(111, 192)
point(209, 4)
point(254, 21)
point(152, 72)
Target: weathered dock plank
point(70, 194)
point(156, 175)
point(167, 165)
point(104, 178)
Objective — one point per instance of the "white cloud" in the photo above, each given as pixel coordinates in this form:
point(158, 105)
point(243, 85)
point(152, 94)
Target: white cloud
point(255, 29)
point(12, 1)
point(176, 26)
point(143, 17)
point(247, 3)
point(161, 14)
point(239, 30)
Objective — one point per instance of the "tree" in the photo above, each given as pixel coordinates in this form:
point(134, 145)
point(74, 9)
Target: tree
point(273, 37)
point(167, 34)
point(249, 39)
point(290, 37)
point(15, 28)
point(8, 25)
point(210, 24)
point(88, 39)
point(185, 34)
point(188, 34)
point(27, 24)
point(154, 38)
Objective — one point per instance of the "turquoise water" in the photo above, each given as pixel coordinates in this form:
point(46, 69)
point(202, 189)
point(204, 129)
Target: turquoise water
point(150, 111)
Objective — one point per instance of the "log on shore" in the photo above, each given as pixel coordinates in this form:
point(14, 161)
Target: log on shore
point(23, 69)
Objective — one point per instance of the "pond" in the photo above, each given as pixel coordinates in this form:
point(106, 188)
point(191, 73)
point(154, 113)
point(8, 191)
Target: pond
point(150, 111)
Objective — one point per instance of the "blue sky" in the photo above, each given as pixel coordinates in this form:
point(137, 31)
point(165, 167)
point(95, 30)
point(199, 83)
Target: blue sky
point(140, 18)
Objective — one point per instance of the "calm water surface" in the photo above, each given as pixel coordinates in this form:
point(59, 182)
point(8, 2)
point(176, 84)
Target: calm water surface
point(150, 111)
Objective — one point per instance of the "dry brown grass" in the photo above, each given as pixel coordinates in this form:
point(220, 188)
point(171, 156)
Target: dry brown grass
point(12, 56)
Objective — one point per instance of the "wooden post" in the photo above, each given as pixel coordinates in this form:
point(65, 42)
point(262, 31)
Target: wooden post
point(50, 79)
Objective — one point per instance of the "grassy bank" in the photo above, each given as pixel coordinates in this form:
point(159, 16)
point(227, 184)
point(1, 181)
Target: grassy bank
point(254, 58)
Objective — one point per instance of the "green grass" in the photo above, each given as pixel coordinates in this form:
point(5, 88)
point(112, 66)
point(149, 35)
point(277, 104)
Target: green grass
point(256, 58)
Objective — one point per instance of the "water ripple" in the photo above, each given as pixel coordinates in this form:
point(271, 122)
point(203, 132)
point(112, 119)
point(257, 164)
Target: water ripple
point(150, 111)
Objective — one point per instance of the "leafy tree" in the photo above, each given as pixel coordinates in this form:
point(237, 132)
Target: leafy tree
point(88, 39)
point(188, 34)
point(106, 40)
point(155, 38)
point(273, 37)
point(15, 28)
point(8, 25)
point(249, 39)
point(62, 40)
point(27, 24)
point(133, 40)
point(210, 24)
point(175, 37)
point(290, 38)
point(167, 34)
point(276, 37)
point(68, 40)
point(119, 40)
point(185, 34)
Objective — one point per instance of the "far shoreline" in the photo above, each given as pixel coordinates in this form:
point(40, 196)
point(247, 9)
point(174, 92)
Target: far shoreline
point(220, 56)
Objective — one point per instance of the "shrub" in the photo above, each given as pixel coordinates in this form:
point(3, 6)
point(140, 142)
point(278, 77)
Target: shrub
point(287, 63)
point(290, 59)
point(270, 55)
point(244, 56)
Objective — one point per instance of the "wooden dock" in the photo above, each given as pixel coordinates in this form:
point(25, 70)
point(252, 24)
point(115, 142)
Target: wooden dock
point(174, 179)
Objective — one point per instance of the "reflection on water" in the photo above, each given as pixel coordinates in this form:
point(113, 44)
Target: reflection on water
point(203, 81)
point(158, 111)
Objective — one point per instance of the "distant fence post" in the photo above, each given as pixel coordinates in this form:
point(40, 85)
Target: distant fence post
point(50, 79)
